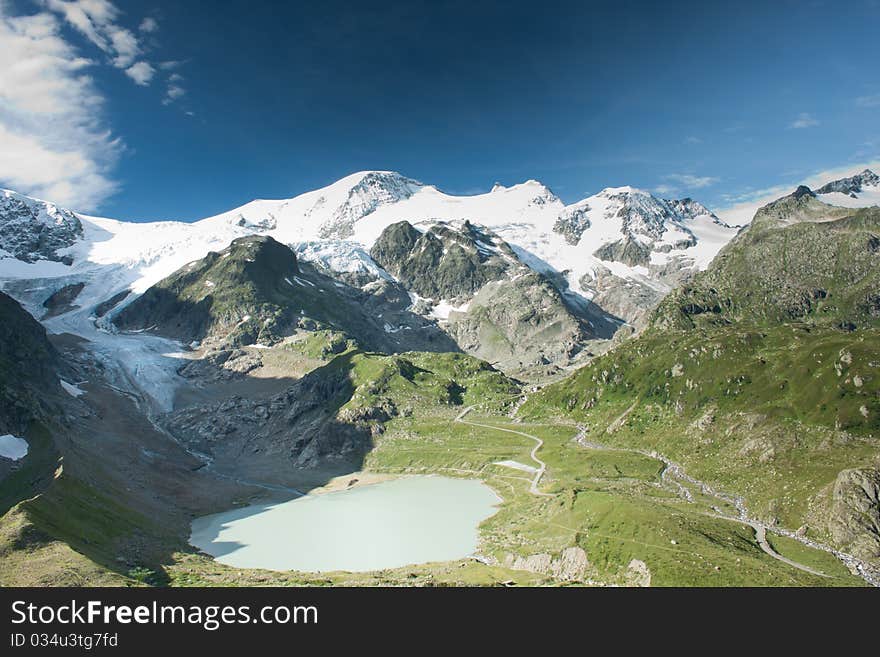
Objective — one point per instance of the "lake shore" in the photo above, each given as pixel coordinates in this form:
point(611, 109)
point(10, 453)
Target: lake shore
point(352, 480)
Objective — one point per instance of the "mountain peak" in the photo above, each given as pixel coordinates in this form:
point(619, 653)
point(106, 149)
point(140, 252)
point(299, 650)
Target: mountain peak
point(802, 191)
point(626, 190)
point(853, 185)
point(802, 205)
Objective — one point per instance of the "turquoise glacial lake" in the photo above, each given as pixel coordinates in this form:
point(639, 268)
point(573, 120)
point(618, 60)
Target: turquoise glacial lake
point(394, 523)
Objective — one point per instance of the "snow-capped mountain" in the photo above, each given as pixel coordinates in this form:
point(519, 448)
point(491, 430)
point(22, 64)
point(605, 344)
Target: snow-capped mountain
point(860, 190)
point(620, 234)
point(611, 256)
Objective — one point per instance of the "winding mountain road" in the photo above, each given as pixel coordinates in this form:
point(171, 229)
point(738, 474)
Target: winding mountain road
point(674, 473)
point(533, 488)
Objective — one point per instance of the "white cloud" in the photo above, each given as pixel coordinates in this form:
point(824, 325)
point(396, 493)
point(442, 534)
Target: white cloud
point(97, 21)
point(743, 207)
point(692, 182)
point(692, 140)
point(804, 120)
point(868, 101)
point(55, 143)
point(665, 189)
point(684, 181)
point(175, 89)
point(141, 73)
point(148, 25)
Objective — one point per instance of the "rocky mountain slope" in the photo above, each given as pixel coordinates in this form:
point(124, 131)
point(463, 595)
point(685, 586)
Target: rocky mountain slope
point(31, 230)
point(492, 304)
point(328, 419)
point(255, 292)
point(28, 367)
point(761, 374)
point(819, 263)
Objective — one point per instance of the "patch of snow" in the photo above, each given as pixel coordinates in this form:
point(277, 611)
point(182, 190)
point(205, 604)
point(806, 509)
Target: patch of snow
point(516, 465)
point(12, 447)
point(444, 308)
point(867, 197)
point(71, 389)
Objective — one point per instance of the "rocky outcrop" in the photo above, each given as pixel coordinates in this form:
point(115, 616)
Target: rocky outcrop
point(573, 221)
point(520, 323)
point(854, 518)
point(638, 574)
point(445, 261)
point(570, 565)
point(62, 300)
point(628, 251)
point(33, 230)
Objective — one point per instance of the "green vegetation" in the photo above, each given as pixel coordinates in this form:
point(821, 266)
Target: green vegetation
point(612, 504)
point(762, 380)
point(416, 382)
point(321, 345)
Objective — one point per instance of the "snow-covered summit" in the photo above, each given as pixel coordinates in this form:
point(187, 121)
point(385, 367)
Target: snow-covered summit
point(853, 185)
point(327, 213)
point(335, 226)
point(860, 190)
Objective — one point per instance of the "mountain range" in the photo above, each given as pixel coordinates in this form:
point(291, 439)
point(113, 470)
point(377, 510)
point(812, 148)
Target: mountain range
point(606, 260)
point(691, 382)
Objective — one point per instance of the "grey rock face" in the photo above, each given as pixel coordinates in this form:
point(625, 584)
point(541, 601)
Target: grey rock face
point(35, 230)
point(520, 323)
point(572, 222)
point(623, 297)
point(855, 512)
point(62, 300)
point(28, 364)
point(628, 251)
point(515, 317)
point(445, 261)
point(853, 185)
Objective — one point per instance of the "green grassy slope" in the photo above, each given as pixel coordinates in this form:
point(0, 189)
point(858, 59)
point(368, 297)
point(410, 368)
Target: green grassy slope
point(762, 375)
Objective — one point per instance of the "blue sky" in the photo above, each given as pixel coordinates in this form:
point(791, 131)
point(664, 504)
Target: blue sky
point(168, 110)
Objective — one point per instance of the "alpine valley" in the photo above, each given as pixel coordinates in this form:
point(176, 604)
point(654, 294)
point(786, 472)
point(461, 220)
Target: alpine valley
point(657, 398)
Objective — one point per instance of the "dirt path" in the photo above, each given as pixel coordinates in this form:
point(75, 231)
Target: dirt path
point(533, 488)
point(674, 474)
